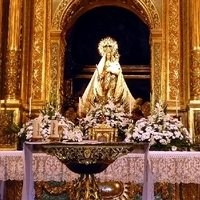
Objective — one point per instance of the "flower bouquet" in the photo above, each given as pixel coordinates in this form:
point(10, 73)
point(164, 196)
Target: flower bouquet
point(67, 129)
point(162, 131)
point(110, 114)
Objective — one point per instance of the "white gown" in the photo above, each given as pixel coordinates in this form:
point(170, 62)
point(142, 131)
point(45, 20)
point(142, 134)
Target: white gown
point(94, 90)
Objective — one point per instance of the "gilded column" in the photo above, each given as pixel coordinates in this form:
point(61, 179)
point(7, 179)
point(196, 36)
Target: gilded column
point(173, 45)
point(195, 49)
point(158, 73)
point(40, 76)
point(1, 47)
point(12, 72)
point(1, 16)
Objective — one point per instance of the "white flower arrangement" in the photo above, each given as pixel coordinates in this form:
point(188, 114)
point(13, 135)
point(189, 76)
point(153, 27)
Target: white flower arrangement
point(110, 114)
point(75, 134)
point(67, 130)
point(162, 131)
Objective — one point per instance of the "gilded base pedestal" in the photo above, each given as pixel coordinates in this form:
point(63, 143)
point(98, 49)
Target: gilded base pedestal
point(87, 159)
point(86, 187)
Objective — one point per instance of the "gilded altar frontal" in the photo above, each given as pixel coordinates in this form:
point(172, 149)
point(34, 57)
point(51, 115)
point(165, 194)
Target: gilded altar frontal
point(49, 51)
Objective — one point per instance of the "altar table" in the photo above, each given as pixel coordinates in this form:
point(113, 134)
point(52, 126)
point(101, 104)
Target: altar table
point(118, 149)
point(171, 167)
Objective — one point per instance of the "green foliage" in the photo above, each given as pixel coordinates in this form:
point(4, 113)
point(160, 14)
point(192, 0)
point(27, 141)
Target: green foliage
point(181, 145)
point(12, 128)
point(47, 196)
point(49, 110)
point(7, 124)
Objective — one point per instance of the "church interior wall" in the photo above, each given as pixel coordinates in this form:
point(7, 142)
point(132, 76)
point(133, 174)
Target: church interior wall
point(33, 51)
point(41, 44)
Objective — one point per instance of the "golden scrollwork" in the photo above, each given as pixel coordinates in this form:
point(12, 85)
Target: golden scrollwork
point(148, 13)
point(87, 159)
point(54, 67)
point(163, 188)
point(12, 71)
point(88, 154)
point(7, 138)
point(13, 190)
point(1, 37)
point(12, 75)
point(156, 71)
point(195, 74)
point(66, 187)
point(197, 126)
point(109, 190)
point(68, 9)
point(174, 46)
point(85, 188)
point(185, 59)
point(190, 191)
point(58, 13)
point(38, 49)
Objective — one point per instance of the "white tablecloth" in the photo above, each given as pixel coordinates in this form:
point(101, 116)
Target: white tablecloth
point(173, 167)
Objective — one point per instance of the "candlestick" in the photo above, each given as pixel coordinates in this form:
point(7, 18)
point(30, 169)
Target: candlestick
point(151, 107)
point(30, 106)
point(79, 107)
point(177, 106)
point(5, 105)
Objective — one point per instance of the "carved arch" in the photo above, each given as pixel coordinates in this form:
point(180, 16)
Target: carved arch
point(69, 10)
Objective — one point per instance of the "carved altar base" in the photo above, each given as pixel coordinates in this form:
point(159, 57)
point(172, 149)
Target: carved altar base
point(87, 159)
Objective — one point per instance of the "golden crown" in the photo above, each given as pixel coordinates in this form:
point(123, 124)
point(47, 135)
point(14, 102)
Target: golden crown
point(106, 42)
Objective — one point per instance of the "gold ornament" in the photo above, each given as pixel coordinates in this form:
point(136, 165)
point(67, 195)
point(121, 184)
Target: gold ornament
point(107, 44)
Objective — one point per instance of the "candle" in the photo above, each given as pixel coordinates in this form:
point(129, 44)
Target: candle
point(30, 106)
point(5, 104)
point(150, 99)
point(79, 106)
point(177, 105)
point(130, 107)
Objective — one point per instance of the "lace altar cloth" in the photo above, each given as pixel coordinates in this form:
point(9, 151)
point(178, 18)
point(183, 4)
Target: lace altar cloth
point(173, 167)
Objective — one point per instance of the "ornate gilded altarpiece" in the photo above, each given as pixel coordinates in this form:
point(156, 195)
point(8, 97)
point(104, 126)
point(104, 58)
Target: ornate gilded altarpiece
point(168, 25)
point(36, 49)
point(33, 55)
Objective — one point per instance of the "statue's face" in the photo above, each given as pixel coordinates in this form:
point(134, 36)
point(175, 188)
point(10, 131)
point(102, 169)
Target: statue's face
point(108, 55)
point(108, 48)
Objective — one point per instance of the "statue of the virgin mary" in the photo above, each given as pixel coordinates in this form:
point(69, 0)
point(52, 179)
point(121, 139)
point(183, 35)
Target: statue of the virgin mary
point(107, 82)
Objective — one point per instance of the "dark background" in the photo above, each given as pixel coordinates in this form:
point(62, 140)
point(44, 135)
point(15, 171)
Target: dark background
point(131, 34)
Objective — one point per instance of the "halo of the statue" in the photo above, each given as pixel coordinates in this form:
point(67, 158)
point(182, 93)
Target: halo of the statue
point(105, 42)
